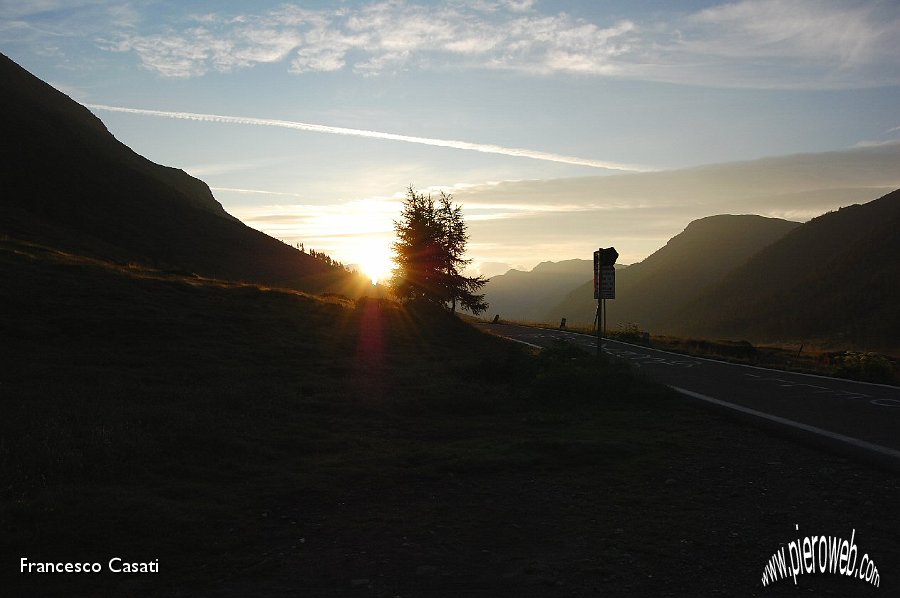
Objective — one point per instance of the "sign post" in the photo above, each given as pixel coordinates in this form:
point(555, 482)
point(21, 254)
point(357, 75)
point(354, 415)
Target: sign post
point(604, 288)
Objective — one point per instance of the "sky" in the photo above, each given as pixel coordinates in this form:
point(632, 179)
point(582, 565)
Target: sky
point(559, 126)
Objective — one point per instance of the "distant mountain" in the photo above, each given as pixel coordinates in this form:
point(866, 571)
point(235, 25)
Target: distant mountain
point(639, 212)
point(523, 295)
point(835, 278)
point(68, 183)
point(649, 293)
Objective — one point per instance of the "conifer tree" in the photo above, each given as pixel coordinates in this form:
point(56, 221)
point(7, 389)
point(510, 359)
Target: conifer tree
point(455, 236)
point(431, 243)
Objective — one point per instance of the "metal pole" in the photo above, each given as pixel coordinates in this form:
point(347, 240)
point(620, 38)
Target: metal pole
point(604, 317)
point(599, 329)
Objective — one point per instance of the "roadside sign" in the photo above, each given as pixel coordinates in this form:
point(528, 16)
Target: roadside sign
point(605, 273)
point(607, 282)
point(604, 288)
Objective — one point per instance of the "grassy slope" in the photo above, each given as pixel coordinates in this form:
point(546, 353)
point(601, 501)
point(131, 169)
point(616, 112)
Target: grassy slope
point(263, 442)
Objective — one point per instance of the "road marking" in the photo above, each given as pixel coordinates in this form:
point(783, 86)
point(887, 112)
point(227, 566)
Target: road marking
point(893, 455)
point(638, 359)
point(818, 390)
point(885, 402)
point(755, 367)
point(840, 438)
point(515, 340)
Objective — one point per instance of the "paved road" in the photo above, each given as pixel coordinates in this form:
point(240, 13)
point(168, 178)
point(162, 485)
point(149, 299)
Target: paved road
point(865, 416)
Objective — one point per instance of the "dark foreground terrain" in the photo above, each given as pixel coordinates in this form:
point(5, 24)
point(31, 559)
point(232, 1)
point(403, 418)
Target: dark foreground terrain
point(260, 442)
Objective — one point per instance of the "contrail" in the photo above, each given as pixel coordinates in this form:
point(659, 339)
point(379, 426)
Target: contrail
point(254, 191)
point(463, 145)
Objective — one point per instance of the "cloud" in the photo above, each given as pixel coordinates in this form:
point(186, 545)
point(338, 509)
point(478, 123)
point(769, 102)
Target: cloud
point(324, 227)
point(462, 145)
point(799, 28)
point(875, 143)
point(383, 37)
point(254, 191)
point(26, 8)
point(199, 50)
point(638, 213)
point(205, 169)
point(751, 43)
point(514, 223)
point(793, 43)
point(489, 269)
point(210, 42)
point(55, 28)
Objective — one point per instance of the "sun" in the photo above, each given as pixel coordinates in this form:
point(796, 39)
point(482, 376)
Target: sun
point(375, 260)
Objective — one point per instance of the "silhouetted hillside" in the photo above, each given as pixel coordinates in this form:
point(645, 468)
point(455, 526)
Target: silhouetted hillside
point(652, 291)
point(68, 183)
point(525, 295)
point(836, 278)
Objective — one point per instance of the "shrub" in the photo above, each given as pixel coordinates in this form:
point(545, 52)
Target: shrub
point(631, 332)
point(870, 367)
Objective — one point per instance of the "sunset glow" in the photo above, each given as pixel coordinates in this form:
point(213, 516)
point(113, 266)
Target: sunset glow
point(591, 115)
point(374, 259)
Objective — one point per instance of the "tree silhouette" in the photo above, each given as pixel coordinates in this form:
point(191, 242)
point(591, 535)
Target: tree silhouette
point(431, 243)
point(460, 288)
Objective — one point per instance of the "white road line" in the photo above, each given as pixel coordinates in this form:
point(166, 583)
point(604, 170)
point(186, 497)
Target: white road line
point(515, 340)
point(755, 367)
point(854, 442)
point(885, 402)
point(878, 449)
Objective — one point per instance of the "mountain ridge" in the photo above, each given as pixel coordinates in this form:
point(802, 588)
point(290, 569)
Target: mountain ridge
point(650, 291)
point(69, 184)
point(520, 294)
point(834, 278)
